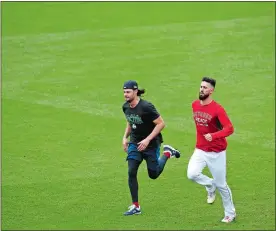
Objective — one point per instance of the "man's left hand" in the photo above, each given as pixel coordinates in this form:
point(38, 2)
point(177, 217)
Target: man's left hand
point(208, 137)
point(142, 145)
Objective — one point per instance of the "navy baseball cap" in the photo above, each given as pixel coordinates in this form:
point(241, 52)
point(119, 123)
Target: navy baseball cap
point(131, 84)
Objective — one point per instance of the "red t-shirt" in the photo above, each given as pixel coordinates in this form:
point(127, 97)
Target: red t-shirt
point(211, 118)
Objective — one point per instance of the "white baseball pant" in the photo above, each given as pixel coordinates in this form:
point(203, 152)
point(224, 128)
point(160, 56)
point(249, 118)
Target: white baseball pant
point(216, 163)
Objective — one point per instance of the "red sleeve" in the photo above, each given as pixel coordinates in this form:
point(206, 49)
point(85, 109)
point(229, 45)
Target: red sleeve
point(227, 126)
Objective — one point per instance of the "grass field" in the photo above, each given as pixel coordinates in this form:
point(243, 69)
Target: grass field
point(63, 66)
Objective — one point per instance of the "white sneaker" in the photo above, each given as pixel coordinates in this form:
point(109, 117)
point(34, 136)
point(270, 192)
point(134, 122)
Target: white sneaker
point(211, 197)
point(228, 219)
point(133, 210)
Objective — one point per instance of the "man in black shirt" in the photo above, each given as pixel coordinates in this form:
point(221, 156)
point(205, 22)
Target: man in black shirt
point(144, 126)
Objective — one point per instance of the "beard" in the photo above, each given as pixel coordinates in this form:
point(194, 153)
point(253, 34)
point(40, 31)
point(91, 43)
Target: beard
point(129, 100)
point(201, 96)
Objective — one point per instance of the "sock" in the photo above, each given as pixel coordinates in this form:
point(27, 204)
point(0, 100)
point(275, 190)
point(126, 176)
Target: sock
point(136, 204)
point(167, 154)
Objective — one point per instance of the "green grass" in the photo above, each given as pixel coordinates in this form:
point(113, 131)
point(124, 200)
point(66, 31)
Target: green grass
point(63, 66)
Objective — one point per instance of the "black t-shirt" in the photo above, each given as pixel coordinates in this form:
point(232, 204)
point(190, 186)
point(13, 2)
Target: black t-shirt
point(141, 119)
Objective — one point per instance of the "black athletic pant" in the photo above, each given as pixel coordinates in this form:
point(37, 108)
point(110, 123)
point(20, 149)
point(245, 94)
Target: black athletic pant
point(154, 171)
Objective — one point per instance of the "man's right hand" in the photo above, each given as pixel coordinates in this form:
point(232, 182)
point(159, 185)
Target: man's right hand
point(125, 144)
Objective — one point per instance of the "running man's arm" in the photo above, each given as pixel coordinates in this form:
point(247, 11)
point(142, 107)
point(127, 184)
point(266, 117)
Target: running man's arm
point(227, 126)
point(157, 120)
point(128, 128)
point(160, 124)
point(127, 131)
point(125, 137)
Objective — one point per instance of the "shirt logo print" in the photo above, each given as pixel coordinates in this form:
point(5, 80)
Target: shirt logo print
point(134, 119)
point(202, 118)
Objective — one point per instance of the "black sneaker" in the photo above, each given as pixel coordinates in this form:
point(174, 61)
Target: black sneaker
point(173, 152)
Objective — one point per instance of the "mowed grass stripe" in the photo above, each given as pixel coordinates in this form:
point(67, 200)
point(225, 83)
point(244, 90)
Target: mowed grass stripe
point(90, 105)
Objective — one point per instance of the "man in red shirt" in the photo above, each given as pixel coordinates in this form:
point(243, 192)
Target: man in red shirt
point(212, 126)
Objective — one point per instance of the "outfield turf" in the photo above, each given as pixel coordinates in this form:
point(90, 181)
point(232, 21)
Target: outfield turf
point(63, 66)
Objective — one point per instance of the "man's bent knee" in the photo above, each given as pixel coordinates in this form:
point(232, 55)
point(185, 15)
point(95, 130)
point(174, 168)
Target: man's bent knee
point(192, 175)
point(153, 174)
